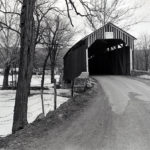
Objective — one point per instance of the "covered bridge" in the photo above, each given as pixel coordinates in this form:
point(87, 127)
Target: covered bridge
point(108, 50)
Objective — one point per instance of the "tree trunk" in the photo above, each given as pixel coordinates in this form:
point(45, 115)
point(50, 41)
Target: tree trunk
point(55, 95)
point(42, 81)
point(6, 76)
point(146, 63)
point(29, 92)
point(12, 79)
point(52, 73)
point(43, 73)
point(26, 64)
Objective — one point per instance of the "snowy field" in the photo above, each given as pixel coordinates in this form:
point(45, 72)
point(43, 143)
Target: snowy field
point(7, 101)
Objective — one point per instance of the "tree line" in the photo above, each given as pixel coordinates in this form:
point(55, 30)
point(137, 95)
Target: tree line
point(142, 53)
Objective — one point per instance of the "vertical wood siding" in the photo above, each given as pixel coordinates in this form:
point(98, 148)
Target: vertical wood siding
point(118, 34)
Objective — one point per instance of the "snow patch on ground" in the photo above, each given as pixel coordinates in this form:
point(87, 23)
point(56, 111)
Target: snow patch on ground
point(7, 102)
point(144, 77)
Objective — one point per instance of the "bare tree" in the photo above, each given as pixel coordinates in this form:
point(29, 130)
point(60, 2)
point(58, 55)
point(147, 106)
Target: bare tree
point(144, 49)
point(30, 31)
point(42, 9)
point(9, 55)
point(9, 39)
point(85, 8)
point(139, 59)
point(57, 36)
point(26, 64)
point(27, 49)
point(115, 11)
point(10, 11)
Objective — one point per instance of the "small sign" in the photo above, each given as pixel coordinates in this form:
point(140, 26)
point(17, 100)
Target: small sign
point(109, 35)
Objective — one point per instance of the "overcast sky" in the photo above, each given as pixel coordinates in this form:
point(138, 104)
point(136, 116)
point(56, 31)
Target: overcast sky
point(136, 30)
point(144, 27)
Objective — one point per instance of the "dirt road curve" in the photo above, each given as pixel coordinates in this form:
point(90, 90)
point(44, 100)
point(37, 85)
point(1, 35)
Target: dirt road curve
point(130, 103)
point(118, 120)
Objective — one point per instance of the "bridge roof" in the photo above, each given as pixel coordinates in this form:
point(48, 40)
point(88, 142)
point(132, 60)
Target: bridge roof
point(116, 33)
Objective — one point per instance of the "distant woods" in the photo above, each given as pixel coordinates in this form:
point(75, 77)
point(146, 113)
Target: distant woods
point(142, 53)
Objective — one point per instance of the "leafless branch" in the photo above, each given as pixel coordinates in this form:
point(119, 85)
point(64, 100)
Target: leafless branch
point(88, 11)
point(4, 25)
point(9, 12)
point(114, 12)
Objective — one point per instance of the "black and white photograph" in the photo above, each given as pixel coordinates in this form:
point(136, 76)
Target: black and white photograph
point(74, 74)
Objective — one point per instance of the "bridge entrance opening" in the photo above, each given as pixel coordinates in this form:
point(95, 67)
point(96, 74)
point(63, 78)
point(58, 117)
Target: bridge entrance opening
point(109, 57)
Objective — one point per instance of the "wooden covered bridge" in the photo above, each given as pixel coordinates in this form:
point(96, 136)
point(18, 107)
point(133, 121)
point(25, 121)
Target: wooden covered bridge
point(108, 50)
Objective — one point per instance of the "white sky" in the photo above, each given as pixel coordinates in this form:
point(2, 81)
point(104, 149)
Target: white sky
point(142, 28)
point(136, 30)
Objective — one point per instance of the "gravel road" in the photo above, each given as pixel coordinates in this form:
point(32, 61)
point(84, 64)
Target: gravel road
point(118, 118)
point(130, 103)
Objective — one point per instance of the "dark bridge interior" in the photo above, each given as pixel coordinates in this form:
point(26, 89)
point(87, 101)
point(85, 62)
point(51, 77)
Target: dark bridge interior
point(109, 56)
